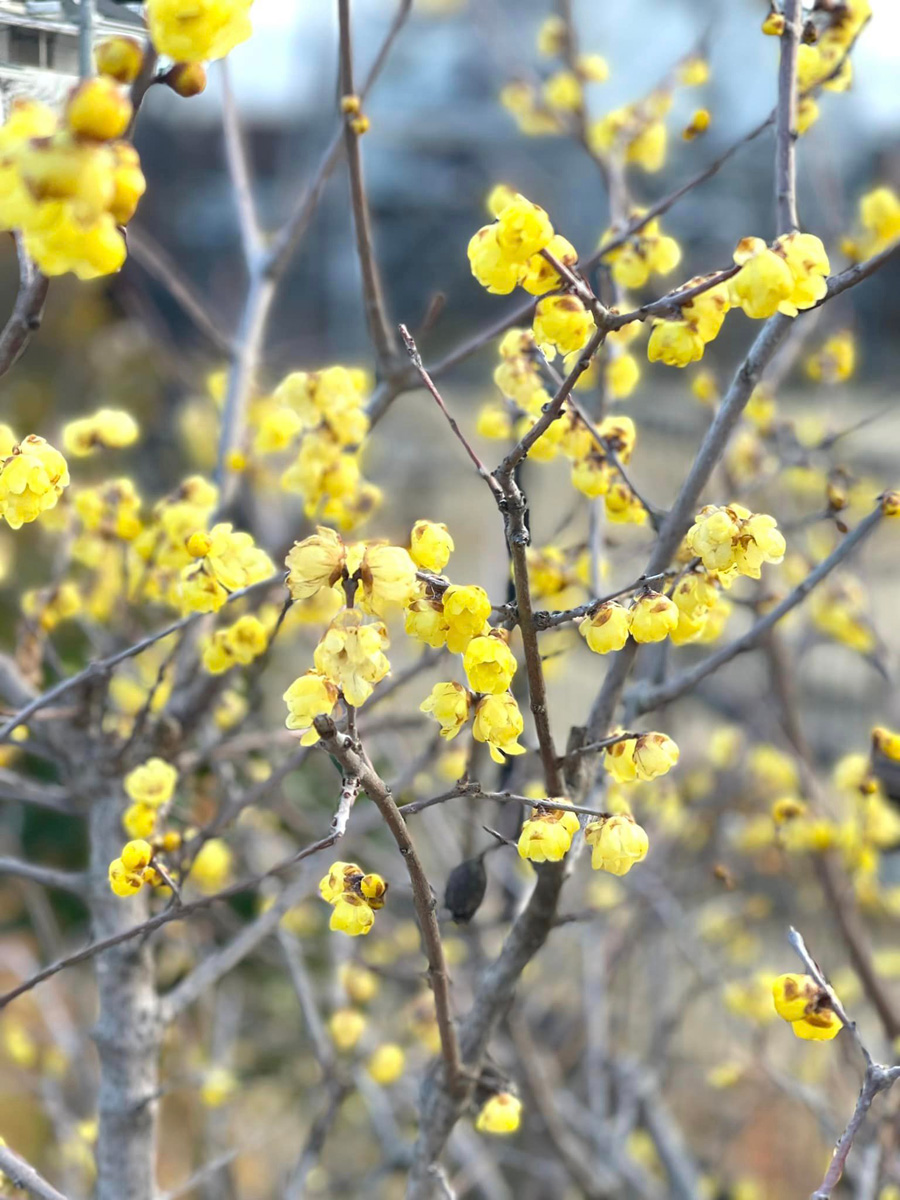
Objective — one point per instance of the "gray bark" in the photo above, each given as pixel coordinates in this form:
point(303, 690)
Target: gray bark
point(127, 1032)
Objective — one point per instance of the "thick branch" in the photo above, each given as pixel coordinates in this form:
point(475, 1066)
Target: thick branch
point(27, 312)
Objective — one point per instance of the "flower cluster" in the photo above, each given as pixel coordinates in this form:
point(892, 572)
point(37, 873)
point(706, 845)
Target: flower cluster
point(354, 897)
point(641, 758)
point(69, 186)
point(547, 834)
point(150, 788)
point(651, 617)
point(239, 643)
point(788, 277)
point(509, 253)
point(106, 429)
point(198, 30)
point(646, 252)
point(731, 541)
point(879, 223)
point(326, 411)
point(129, 872)
point(617, 842)
point(32, 479)
point(807, 1007)
point(680, 342)
point(224, 561)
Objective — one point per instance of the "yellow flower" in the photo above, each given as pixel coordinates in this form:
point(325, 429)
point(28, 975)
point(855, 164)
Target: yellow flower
point(704, 387)
point(121, 58)
point(499, 723)
point(652, 617)
point(430, 545)
point(310, 696)
point(562, 323)
point(617, 842)
point(541, 276)
point(493, 422)
point(387, 575)
point(523, 229)
point(886, 742)
point(500, 1115)
point(316, 562)
point(200, 31)
point(341, 877)
point(607, 628)
point(806, 258)
point(387, 1064)
point(241, 642)
point(218, 1086)
point(699, 124)
point(835, 361)
point(139, 820)
point(818, 1027)
point(563, 91)
point(675, 343)
point(622, 375)
point(890, 504)
point(547, 835)
point(793, 994)
point(706, 312)
point(98, 108)
point(879, 213)
point(351, 915)
point(593, 67)
point(108, 428)
point(126, 873)
point(489, 265)
point(733, 541)
point(425, 621)
point(489, 664)
point(466, 608)
point(764, 282)
point(654, 755)
point(351, 655)
point(346, 1026)
point(773, 25)
point(693, 72)
point(448, 703)
point(152, 783)
point(32, 480)
point(619, 760)
point(212, 866)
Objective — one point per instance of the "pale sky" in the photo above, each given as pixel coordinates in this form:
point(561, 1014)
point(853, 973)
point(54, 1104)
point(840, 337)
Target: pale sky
point(291, 57)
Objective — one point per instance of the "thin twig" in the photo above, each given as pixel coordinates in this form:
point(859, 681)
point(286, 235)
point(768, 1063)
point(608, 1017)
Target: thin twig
point(786, 120)
point(22, 1175)
point(357, 766)
point(647, 697)
point(103, 666)
point(380, 329)
point(413, 352)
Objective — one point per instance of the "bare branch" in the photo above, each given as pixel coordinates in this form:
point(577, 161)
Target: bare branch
point(380, 329)
point(103, 666)
point(27, 312)
point(786, 120)
point(649, 696)
point(64, 881)
point(22, 1175)
point(239, 169)
point(356, 765)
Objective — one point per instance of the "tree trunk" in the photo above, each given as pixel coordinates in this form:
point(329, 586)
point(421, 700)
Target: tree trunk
point(127, 1032)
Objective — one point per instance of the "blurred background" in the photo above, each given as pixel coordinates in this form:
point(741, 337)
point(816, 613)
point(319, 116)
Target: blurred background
point(439, 141)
